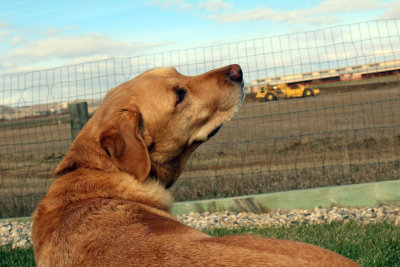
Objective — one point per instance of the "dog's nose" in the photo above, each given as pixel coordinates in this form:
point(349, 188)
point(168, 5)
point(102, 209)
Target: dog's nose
point(235, 73)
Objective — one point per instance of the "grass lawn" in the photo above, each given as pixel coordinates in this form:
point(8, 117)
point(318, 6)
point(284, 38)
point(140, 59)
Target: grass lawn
point(369, 245)
point(16, 257)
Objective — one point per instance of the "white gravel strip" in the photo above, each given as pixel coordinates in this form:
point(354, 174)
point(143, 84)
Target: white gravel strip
point(18, 234)
point(280, 217)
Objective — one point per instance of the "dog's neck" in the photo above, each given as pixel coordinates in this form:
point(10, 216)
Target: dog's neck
point(149, 192)
point(82, 185)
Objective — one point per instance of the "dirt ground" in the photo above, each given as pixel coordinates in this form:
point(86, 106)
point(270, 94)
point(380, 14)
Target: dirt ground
point(331, 139)
point(343, 136)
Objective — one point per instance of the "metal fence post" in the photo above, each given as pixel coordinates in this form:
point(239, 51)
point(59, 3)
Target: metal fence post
point(79, 116)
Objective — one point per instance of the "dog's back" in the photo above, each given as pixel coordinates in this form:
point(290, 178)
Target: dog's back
point(105, 224)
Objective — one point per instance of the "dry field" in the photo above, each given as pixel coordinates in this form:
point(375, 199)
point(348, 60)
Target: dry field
point(335, 138)
point(343, 136)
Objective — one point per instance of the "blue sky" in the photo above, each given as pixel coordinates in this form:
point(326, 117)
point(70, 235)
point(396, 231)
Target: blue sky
point(46, 34)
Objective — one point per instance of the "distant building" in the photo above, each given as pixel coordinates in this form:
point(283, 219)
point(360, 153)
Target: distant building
point(332, 75)
point(62, 105)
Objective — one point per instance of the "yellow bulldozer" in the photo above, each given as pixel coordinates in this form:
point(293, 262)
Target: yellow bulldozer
point(283, 90)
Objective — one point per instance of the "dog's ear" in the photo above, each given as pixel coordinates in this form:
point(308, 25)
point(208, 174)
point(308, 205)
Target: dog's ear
point(109, 141)
point(124, 144)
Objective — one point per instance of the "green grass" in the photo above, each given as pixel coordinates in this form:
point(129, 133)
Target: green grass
point(16, 257)
point(370, 245)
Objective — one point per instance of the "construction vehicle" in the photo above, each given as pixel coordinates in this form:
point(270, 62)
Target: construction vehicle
point(283, 90)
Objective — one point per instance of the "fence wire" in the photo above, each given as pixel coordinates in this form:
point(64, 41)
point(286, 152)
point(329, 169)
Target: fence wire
point(347, 134)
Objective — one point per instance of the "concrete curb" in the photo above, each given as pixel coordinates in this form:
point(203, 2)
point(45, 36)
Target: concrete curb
point(359, 195)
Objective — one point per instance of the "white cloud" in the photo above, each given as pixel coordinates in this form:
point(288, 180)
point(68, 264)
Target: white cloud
point(9, 67)
point(291, 17)
point(50, 32)
point(180, 5)
point(84, 59)
point(393, 10)
point(62, 49)
point(212, 6)
point(71, 46)
point(327, 12)
point(338, 6)
point(5, 25)
point(5, 29)
point(215, 5)
point(17, 40)
point(255, 14)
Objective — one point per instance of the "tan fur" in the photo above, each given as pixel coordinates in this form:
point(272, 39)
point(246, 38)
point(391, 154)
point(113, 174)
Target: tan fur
point(109, 205)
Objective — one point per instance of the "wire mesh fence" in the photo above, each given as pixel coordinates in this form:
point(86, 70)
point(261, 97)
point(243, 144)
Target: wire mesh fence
point(347, 133)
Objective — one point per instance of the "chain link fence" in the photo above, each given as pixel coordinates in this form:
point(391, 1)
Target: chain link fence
point(348, 133)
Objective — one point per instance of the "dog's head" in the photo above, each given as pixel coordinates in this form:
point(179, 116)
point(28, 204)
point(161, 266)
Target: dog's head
point(149, 126)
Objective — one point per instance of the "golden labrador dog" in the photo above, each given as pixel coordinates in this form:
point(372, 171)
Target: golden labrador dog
point(110, 207)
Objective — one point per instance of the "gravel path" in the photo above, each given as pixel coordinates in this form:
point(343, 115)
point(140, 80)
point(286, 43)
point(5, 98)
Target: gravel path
point(18, 234)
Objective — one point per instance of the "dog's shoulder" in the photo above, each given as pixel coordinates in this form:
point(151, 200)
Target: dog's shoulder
point(87, 201)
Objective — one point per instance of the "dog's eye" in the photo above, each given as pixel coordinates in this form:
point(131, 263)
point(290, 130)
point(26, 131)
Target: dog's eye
point(180, 95)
